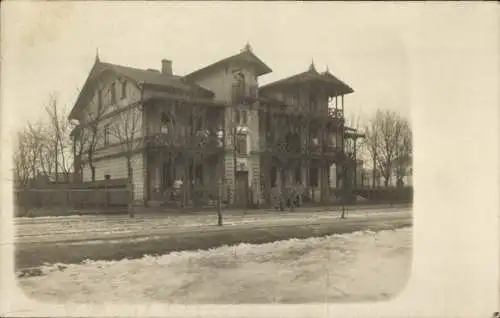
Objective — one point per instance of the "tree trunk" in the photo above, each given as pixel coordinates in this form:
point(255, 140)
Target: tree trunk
point(374, 173)
point(57, 166)
point(92, 168)
point(130, 187)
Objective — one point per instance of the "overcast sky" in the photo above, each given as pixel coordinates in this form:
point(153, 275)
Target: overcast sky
point(54, 45)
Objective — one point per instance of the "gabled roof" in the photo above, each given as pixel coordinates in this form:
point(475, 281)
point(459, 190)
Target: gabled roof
point(311, 75)
point(246, 56)
point(139, 77)
point(153, 77)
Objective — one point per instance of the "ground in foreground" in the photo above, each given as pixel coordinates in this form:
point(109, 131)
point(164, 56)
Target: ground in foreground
point(358, 266)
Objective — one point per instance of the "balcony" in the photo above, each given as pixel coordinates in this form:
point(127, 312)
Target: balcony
point(336, 113)
point(200, 141)
point(331, 149)
point(244, 93)
point(315, 149)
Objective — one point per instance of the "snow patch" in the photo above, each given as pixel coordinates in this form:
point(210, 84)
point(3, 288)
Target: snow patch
point(358, 266)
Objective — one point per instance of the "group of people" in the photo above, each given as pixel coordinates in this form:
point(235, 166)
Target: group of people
point(289, 197)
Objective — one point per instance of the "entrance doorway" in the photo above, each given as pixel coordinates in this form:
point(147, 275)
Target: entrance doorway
point(241, 191)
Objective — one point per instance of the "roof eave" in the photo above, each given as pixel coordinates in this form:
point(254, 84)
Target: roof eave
point(205, 91)
point(72, 113)
point(94, 72)
point(261, 69)
point(264, 70)
point(337, 89)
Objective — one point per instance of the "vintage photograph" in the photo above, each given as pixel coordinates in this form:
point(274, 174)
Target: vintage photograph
point(211, 154)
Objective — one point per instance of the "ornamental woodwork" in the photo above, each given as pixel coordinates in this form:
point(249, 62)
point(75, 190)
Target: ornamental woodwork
point(185, 127)
point(294, 132)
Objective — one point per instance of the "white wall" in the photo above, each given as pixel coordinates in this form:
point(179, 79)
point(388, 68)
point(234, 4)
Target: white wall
point(134, 117)
point(117, 169)
point(219, 82)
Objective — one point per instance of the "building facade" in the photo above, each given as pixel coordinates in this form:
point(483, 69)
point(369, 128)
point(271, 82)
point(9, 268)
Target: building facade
point(214, 128)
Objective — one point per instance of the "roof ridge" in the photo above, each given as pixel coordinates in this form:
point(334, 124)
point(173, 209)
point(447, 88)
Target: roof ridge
point(245, 54)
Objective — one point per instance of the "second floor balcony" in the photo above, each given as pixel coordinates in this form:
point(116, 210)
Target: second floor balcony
point(242, 93)
point(202, 140)
point(294, 146)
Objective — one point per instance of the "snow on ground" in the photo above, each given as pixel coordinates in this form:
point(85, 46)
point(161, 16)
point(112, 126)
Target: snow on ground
point(351, 267)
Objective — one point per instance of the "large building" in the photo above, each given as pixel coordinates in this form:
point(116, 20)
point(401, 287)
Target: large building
point(214, 126)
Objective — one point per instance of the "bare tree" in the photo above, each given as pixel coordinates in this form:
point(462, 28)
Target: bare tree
point(58, 137)
point(23, 159)
point(90, 133)
point(386, 140)
point(371, 144)
point(28, 153)
point(357, 143)
point(404, 151)
point(47, 153)
point(126, 127)
point(81, 141)
point(391, 125)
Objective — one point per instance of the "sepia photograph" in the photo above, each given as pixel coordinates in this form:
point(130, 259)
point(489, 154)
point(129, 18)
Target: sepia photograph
point(211, 153)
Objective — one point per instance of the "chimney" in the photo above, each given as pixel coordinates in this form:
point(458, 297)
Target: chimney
point(166, 67)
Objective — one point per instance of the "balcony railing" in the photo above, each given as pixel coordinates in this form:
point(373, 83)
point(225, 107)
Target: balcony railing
point(240, 93)
point(332, 149)
point(199, 141)
point(336, 113)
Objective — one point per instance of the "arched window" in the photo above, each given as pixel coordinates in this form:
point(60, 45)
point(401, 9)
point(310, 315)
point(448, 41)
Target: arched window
point(241, 144)
point(165, 123)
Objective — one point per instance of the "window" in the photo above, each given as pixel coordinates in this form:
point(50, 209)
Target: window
point(124, 89)
point(198, 174)
point(298, 175)
point(244, 117)
point(106, 135)
point(112, 89)
point(237, 116)
point(273, 173)
point(164, 123)
point(313, 103)
point(313, 176)
point(241, 144)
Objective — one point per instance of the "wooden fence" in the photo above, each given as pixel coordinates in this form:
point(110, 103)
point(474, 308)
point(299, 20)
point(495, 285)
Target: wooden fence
point(99, 194)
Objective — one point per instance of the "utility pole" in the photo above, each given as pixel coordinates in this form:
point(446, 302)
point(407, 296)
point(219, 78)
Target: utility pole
point(219, 195)
point(343, 195)
point(219, 204)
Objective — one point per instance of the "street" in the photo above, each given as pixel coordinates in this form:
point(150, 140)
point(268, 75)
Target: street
point(86, 228)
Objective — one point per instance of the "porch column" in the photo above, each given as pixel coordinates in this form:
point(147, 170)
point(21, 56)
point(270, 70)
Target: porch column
point(157, 181)
point(147, 185)
point(321, 181)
